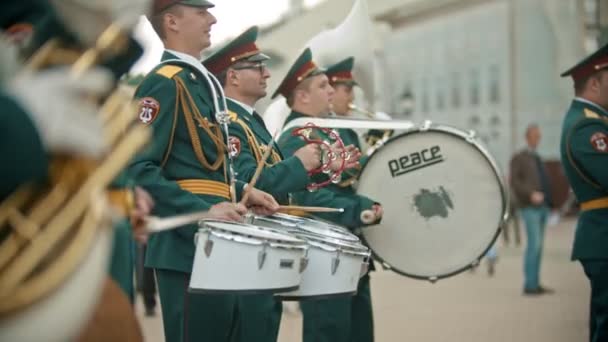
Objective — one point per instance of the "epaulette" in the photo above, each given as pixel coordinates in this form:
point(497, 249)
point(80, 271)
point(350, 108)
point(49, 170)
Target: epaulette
point(591, 114)
point(169, 70)
point(233, 116)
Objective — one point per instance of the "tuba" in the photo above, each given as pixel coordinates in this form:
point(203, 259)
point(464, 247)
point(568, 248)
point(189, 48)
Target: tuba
point(54, 258)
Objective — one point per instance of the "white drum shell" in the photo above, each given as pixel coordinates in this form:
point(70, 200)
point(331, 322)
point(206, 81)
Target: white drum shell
point(233, 265)
point(318, 280)
point(63, 314)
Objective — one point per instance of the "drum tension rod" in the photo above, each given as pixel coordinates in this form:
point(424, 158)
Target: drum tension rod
point(262, 255)
point(335, 262)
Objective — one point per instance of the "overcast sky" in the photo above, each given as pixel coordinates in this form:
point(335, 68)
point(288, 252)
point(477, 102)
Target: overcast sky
point(233, 17)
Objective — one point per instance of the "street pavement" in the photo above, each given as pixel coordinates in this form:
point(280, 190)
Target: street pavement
point(472, 306)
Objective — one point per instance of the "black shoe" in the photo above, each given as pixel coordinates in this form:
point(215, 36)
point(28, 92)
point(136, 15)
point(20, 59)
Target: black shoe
point(491, 267)
point(538, 291)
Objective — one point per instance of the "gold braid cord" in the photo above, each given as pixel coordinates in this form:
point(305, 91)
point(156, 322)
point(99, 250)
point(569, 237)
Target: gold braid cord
point(190, 114)
point(256, 148)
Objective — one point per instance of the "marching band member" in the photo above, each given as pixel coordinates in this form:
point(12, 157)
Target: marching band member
point(186, 168)
point(309, 93)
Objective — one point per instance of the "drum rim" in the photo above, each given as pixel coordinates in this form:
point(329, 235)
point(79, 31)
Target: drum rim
point(237, 236)
point(472, 139)
point(350, 249)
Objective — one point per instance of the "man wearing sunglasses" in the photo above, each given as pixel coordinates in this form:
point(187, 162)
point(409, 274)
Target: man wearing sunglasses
point(240, 68)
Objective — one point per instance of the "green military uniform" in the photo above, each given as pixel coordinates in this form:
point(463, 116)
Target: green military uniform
point(30, 163)
point(259, 315)
point(342, 318)
point(584, 153)
point(185, 171)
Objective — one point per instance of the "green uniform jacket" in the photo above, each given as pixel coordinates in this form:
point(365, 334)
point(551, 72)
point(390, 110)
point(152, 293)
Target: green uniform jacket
point(280, 176)
point(174, 250)
point(353, 204)
point(585, 134)
point(24, 158)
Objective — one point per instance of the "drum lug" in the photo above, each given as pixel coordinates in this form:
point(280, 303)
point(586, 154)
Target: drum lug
point(386, 266)
point(335, 262)
point(426, 125)
point(433, 279)
point(304, 261)
point(262, 256)
point(303, 264)
point(208, 246)
point(470, 138)
point(364, 268)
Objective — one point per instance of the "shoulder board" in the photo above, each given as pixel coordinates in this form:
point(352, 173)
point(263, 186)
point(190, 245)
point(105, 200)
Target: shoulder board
point(591, 114)
point(233, 115)
point(169, 70)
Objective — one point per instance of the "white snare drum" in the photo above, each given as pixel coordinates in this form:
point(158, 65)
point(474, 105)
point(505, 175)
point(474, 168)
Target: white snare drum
point(333, 266)
point(234, 257)
point(321, 227)
point(444, 202)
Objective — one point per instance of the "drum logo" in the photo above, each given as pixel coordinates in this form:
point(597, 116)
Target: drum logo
point(415, 161)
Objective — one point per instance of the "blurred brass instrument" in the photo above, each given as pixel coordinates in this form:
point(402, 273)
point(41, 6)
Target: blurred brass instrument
point(58, 236)
point(371, 138)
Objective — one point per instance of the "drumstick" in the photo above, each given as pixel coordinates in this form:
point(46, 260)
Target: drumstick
point(155, 224)
point(311, 209)
point(260, 167)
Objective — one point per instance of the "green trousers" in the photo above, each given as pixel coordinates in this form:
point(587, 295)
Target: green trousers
point(258, 318)
point(597, 272)
point(189, 317)
point(122, 260)
point(340, 319)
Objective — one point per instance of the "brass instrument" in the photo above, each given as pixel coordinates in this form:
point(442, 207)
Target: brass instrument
point(373, 140)
point(57, 229)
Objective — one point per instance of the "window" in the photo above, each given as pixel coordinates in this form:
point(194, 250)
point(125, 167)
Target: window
point(474, 87)
point(494, 78)
point(456, 93)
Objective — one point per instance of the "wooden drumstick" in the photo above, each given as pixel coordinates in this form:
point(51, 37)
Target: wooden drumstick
point(258, 170)
point(156, 224)
point(311, 209)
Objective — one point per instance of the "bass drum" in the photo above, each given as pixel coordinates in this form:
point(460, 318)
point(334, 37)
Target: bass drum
point(444, 202)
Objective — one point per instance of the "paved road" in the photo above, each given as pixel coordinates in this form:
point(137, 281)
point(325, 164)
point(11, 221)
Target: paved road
point(472, 307)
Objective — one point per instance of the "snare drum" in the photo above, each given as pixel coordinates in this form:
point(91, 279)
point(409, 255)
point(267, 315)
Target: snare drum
point(317, 226)
point(334, 268)
point(233, 257)
point(334, 261)
point(443, 197)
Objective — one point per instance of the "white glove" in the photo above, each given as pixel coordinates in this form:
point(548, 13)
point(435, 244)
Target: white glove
point(89, 18)
point(58, 105)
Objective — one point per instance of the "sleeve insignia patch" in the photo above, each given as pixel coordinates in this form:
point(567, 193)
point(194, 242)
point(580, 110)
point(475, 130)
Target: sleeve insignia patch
point(599, 142)
point(20, 33)
point(235, 146)
point(148, 110)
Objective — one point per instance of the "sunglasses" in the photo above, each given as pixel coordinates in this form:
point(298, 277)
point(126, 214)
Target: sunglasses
point(261, 67)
